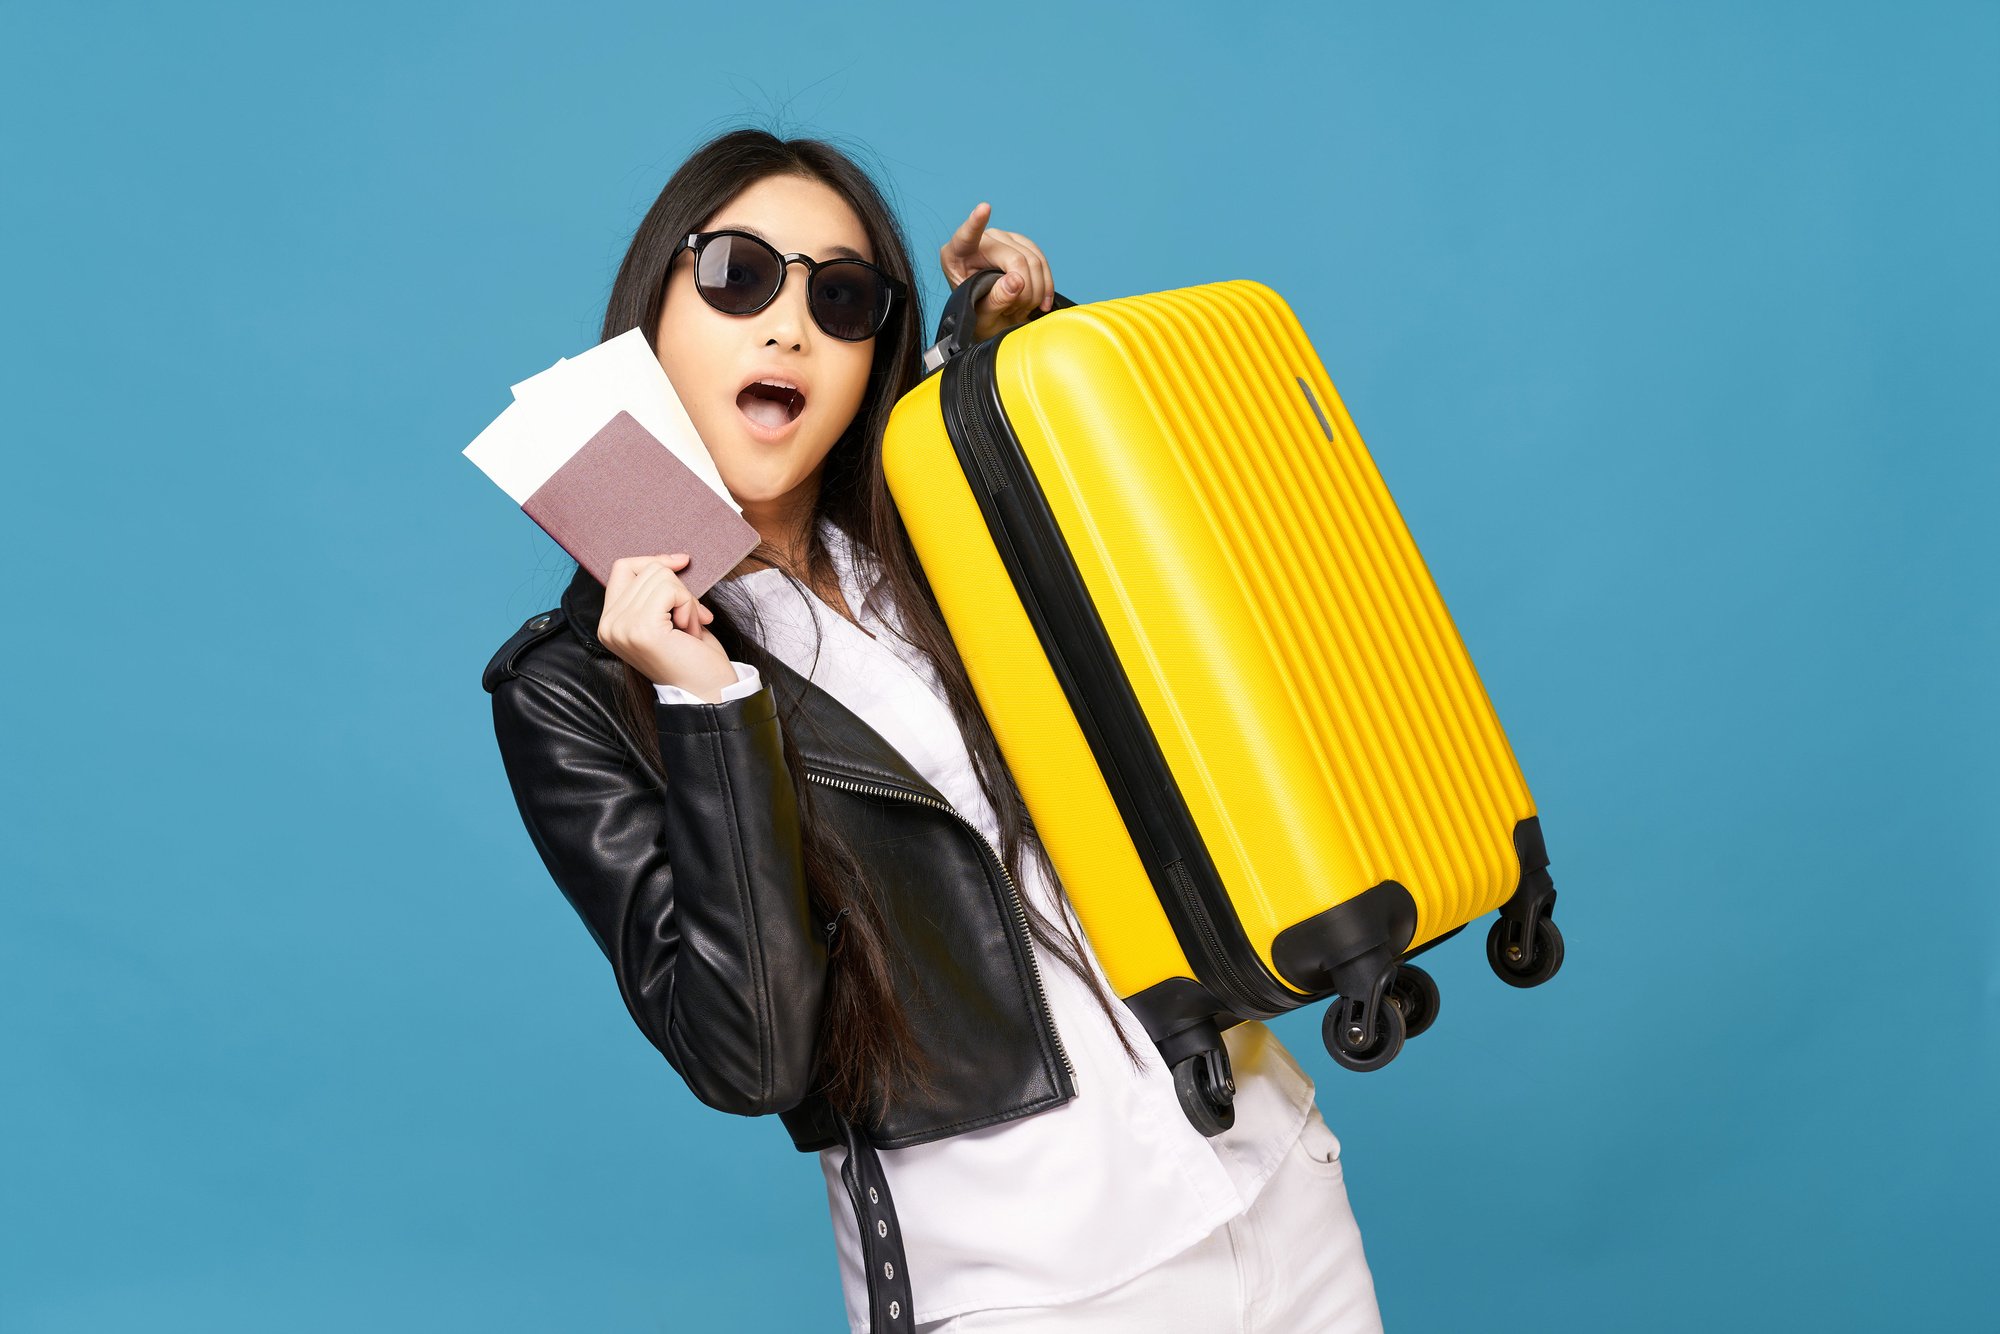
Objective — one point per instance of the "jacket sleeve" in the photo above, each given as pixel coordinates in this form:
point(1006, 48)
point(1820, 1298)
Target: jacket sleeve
point(696, 895)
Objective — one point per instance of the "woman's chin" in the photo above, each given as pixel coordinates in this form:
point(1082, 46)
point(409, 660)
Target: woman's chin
point(762, 481)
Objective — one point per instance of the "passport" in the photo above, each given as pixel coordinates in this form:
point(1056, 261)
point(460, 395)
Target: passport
point(600, 453)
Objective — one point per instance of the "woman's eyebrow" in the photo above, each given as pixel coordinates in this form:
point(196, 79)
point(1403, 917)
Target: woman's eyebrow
point(844, 252)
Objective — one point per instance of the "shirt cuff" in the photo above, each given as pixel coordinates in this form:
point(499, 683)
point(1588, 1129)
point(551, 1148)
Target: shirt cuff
point(748, 682)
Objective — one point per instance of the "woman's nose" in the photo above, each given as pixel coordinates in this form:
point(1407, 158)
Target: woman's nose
point(787, 318)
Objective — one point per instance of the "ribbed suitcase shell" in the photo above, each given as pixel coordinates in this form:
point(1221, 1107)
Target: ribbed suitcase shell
point(1282, 635)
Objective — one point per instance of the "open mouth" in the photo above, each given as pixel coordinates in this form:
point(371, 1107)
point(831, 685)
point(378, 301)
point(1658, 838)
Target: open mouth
point(771, 406)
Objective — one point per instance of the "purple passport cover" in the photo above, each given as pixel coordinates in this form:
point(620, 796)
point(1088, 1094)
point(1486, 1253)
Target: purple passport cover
point(626, 494)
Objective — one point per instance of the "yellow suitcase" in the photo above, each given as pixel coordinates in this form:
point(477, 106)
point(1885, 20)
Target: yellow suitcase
point(1242, 719)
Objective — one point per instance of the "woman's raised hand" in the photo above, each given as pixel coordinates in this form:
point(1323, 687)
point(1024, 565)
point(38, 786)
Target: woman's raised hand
point(652, 622)
point(1012, 299)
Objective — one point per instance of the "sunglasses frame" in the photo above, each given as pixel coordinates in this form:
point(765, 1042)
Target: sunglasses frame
point(694, 241)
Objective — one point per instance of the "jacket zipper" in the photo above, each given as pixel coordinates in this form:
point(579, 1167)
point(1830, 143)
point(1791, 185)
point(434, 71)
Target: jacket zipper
point(1013, 893)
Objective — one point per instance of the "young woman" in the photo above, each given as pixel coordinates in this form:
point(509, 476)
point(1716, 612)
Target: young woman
point(785, 821)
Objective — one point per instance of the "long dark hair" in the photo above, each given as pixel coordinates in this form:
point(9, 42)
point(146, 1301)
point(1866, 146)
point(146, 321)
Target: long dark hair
point(867, 1049)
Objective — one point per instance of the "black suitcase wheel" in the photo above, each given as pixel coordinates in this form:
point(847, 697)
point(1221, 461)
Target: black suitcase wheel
point(1207, 1093)
point(1519, 967)
point(1362, 1051)
point(1414, 993)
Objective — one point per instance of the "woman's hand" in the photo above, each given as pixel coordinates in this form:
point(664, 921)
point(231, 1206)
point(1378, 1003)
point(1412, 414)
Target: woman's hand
point(1012, 299)
point(652, 622)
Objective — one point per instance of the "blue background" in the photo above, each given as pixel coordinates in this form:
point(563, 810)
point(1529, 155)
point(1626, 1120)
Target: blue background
point(1671, 327)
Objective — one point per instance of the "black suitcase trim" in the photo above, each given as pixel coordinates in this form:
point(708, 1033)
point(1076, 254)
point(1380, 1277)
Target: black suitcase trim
point(1085, 663)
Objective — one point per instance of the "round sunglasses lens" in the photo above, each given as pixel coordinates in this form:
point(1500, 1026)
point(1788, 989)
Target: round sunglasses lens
point(735, 274)
point(849, 300)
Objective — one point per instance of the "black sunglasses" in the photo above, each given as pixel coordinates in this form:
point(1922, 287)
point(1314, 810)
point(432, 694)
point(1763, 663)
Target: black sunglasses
point(740, 274)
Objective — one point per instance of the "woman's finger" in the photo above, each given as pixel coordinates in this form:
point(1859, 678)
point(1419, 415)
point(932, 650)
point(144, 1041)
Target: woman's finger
point(1048, 281)
point(629, 574)
point(629, 597)
point(1003, 250)
point(1045, 285)
point(960, 255)
point(627, 568)
point(1012, 295)
point(679, 608)
point(656, 594)
point(1041, 282)
point(1022, 263)
point(623, 571)
point(626, 572)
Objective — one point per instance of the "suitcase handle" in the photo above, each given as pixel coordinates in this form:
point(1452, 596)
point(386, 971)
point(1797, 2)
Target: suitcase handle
point(955, 324)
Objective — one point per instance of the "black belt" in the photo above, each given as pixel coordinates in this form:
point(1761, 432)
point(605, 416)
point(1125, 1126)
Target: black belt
point(881, 1239)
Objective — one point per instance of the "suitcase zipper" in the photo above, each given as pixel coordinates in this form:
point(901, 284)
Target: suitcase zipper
point(1198, 913)
point(1013, 894)
point(1090, 674)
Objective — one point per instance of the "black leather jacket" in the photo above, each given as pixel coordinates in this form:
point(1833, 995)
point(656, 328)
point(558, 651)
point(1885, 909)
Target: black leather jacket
point(691, 883)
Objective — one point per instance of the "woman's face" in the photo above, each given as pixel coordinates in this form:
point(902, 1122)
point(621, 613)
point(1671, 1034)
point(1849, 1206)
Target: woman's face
point(710, 356)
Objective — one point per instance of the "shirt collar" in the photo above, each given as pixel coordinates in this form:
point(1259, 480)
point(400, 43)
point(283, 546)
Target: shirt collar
point(857, 566)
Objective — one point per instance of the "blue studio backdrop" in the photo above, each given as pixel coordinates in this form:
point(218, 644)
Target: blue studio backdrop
point(1670, 327)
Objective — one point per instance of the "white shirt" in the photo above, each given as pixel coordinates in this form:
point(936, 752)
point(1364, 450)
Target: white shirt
point(1067, 1202)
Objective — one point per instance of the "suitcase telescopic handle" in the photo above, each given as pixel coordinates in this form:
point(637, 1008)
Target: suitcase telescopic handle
point(954, 330)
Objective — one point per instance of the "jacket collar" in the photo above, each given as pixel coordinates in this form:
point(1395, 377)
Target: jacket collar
point(828, 734)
